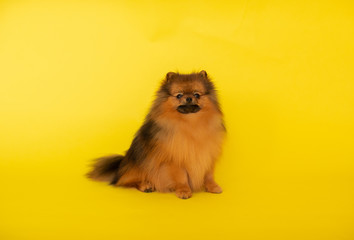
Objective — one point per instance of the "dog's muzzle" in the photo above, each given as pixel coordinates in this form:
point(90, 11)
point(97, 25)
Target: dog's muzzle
point(185, 109)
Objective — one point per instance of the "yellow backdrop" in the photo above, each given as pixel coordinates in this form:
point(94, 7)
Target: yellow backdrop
point(77, 78)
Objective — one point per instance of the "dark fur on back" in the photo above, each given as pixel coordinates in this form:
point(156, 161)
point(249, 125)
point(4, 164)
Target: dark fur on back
point(143, 142)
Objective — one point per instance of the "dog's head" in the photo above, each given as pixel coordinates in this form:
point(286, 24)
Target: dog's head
point(187, 93)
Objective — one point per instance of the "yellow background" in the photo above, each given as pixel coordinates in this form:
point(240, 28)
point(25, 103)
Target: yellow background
point(77, 78)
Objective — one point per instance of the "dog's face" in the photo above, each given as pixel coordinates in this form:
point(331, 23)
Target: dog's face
point(186, 96)
point(188, 93)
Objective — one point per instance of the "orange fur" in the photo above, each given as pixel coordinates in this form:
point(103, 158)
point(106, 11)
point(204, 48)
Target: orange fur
point(183, 154)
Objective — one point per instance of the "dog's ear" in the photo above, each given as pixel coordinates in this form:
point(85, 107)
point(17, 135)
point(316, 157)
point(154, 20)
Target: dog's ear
point(203, 73)
point(170, 75)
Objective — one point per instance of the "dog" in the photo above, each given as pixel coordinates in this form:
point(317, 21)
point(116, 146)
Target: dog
point(176, 148)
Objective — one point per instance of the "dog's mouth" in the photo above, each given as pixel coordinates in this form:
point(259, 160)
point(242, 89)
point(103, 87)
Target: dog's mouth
point(185, 109)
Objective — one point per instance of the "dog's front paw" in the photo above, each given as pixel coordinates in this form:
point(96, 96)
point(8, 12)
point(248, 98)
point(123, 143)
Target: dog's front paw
point(213, 188)
point(146, 187)
point(184, 193)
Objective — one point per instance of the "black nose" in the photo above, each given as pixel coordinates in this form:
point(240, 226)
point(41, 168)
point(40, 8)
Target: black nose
point(188, 99)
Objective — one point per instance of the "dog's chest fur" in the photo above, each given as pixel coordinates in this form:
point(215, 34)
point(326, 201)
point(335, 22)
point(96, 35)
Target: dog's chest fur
point(194, 146)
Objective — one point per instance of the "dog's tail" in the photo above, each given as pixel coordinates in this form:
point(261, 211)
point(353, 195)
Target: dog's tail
point(106, 169)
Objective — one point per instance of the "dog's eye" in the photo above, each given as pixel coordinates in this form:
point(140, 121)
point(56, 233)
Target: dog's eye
point(196, 95)
point(179, 95)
